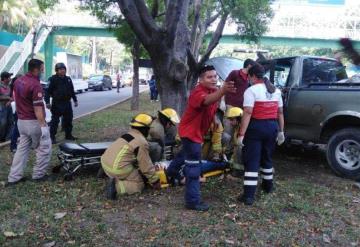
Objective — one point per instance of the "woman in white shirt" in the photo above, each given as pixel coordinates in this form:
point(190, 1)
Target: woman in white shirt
point(261, 127)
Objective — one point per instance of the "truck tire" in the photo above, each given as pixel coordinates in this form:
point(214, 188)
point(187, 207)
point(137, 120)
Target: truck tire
point(343, 152)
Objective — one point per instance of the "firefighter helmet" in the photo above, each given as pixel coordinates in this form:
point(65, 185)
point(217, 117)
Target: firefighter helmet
point(170, 114)
point(234, 112)
point(141, 120)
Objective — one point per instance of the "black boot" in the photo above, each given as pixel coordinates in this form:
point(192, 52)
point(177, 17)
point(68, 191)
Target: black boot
point(199, 207)
point(70, 138)
point(111, 189)
point(267, 187)
point(246, 200)
point(53, 140)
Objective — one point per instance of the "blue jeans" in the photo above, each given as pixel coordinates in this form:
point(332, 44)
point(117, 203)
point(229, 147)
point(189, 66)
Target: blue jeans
point(5, 122)
point(176, 167)
point(14, 134)
point(153, 94)
point(192, 171)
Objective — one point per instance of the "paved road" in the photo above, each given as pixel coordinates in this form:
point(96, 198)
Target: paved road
point(93, 100)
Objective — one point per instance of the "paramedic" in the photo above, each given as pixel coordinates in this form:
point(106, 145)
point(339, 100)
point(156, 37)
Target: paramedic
point(262, 125)
point(127, 161)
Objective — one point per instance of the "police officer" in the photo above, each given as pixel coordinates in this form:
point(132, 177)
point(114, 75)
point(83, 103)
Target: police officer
point(127, 161)
point(61, 90)
point(262, 125)
point(233, 115)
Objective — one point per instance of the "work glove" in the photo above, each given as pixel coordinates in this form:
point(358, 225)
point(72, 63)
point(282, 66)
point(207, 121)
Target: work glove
point(45, 133)
point(156, 185)
point(239, 141)
point(280, 138)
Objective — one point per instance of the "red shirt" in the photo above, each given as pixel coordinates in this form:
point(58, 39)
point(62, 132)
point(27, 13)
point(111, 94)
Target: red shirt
point(29, 93)
point(240, 80)
point(197, 117)
point(265, 105)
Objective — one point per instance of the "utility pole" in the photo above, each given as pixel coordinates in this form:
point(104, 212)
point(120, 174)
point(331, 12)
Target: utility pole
point(94, 55)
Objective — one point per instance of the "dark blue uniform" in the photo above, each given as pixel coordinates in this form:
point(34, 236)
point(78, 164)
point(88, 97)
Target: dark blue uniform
point(260, 137)
point(61, 90)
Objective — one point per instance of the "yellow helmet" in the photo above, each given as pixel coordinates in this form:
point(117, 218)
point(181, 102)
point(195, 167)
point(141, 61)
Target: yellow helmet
point(141, 120)
point(171, 115)
point(234, 112)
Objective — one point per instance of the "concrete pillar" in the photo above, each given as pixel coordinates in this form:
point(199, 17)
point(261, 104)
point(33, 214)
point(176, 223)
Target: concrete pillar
point(49, 56)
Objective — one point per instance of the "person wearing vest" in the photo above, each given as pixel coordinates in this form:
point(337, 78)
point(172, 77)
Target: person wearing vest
point(233, 115)
point(127, 161)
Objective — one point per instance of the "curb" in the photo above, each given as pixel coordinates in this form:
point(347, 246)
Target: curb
point(88, 113)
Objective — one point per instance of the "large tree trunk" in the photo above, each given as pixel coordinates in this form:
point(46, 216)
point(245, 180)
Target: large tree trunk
point(135, 85)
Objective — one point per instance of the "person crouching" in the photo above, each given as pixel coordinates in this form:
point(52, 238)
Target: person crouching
point(127, 161)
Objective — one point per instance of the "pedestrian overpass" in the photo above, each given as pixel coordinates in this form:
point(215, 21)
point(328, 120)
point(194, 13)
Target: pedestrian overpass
point(18, 52)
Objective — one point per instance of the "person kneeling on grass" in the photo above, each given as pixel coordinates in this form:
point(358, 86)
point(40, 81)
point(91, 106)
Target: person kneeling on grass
point(127, 161)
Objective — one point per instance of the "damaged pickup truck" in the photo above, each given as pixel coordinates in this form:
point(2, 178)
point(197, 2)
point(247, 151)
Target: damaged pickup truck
point(321, 106)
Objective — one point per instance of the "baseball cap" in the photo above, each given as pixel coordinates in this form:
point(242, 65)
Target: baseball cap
point(5, 75)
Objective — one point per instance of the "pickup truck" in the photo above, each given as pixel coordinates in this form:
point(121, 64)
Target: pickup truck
point(321, 106)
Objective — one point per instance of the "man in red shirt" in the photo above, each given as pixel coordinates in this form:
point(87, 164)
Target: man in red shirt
point(34, 132)
point(195, 123)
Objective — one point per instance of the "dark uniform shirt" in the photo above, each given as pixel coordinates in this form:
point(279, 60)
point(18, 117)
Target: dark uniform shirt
point(241, 84)
point(28, 93)
point(61, 89)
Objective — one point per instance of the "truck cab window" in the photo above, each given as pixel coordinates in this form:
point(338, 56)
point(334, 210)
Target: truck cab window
point(317, 70)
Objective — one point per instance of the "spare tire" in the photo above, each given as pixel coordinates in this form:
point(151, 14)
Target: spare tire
point(343, 152)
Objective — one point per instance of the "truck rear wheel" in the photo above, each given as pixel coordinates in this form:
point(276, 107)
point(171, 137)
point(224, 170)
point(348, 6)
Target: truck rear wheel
point(343, 153)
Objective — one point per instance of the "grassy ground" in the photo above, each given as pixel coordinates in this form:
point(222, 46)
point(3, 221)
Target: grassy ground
point(311, 206)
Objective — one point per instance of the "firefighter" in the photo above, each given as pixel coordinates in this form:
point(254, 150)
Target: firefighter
point(212, 146)
point(159, 134)
point(61, 90)
point(233, 115)
point(127, 161)
point(262, 125)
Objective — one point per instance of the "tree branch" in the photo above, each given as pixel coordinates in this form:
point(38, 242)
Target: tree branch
point(215, 39)
point(131, 13)
point(211, 19)
point(191, 60)
point(147, 19)
point(155, 9)
point(197, 8)
point(174, 11)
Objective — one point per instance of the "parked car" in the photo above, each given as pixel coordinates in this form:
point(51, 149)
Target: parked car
point(80, 85)
point(100, 82)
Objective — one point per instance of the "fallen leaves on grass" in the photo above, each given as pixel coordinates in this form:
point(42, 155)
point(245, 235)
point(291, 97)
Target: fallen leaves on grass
point(50, 244)
point(58, 216)
point(326, 238)
point(9, 234)
point(228, 241)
